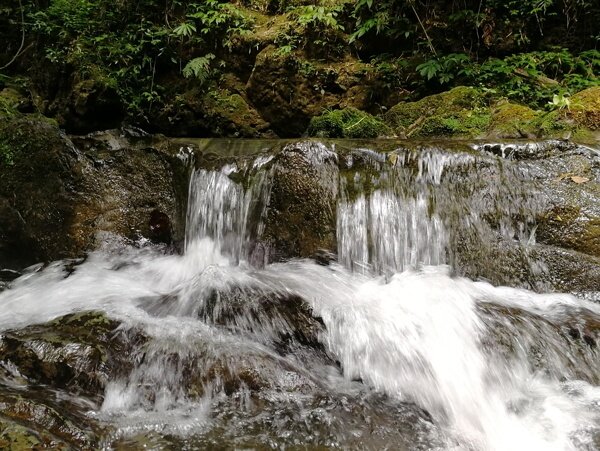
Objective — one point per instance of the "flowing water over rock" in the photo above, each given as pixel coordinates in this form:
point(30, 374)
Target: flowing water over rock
point(377, 342)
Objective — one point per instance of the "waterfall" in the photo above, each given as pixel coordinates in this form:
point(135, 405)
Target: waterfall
point(388, 337)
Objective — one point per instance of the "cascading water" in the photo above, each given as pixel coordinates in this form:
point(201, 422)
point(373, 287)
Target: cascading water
point(385, 349)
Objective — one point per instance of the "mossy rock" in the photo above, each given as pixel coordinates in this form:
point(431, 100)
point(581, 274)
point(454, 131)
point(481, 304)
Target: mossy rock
point(511, 120)
point(347, 123)
point(580, 121)
point(462, 112)
point(465, 123)
point(585, 108)
point(217, 113)
point(12, 101)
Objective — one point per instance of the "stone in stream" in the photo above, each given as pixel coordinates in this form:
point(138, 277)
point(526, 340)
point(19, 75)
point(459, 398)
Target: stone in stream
point(301, 211)
point(57, 194)
point(78, 351)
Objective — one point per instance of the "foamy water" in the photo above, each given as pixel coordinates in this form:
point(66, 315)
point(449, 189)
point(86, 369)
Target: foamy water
point(493, 366)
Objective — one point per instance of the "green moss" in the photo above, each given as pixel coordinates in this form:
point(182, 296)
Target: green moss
point(510, 120)
point(462, 124)
point(462, 111)
point(585, 108)
point(347, 123)
point(552, 125)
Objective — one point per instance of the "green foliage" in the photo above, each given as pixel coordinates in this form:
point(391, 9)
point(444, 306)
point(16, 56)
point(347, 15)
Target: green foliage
point(347, 123)
point(318, 25)
point(533, 78)
point(126, 45)
point(219, 19)
point(416, 24)
point(444, 68)
point(318, 17)
point(560, 101)
point(199, 68)
point(185, 29)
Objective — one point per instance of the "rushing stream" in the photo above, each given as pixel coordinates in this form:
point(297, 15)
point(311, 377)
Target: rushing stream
point(385, 345)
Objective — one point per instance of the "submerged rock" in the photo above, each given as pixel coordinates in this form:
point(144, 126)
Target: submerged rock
point(15, 437)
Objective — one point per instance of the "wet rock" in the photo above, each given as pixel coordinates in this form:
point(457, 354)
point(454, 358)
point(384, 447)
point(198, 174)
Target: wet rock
point(14, 437)
point(42, 424)
point(79, 351)
point(570, 195)
point(568, 271)
point(37, 190)
point(160, 227)
point(56, 196)
point(256, 313)
point(302, 207)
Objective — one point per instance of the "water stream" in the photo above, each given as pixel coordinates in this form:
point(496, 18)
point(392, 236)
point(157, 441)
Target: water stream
point(387, 346)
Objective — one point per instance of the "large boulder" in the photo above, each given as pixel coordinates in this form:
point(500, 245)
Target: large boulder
point(79, 351)
point(56, 197)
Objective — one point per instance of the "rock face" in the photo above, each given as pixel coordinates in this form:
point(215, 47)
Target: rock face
point(220, 114)
point(56, 196)
point(287, 91)
point(302, 207)
point(571, 194)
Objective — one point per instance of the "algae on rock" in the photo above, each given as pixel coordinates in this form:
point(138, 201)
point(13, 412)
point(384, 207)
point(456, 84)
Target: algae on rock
point(347, 123)
point(460, 112)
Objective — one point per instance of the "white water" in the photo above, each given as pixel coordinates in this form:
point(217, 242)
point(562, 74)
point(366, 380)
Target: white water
point(418, 336)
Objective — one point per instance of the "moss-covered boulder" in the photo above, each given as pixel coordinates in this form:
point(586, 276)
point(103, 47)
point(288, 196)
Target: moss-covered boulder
point(347, 123)
point(460, 112)
point(584, 109)
point(510, 120)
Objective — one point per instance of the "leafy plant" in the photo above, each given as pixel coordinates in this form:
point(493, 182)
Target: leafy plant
point(185, 29)
point(560, 102)
point(445, 68)
point(199, 68)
